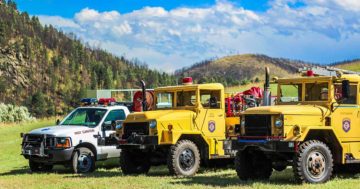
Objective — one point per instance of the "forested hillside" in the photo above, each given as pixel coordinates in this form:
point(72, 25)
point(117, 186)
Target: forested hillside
point(241, 69)
point(49, 71)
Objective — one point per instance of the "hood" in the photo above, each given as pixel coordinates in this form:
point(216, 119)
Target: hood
point(157, 114)
point(289, 110)
point(61, 130)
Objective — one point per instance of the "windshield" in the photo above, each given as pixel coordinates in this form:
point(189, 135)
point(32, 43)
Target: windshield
point(85, 117)
point(290, 92)
point(164, 100)
point(185, 98)
point(316, 91)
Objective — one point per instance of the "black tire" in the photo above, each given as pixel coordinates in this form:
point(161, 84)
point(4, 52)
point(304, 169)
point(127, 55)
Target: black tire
point(39, 167)
point(252, 166)
point(83, 160)
point(313, 162)
point(134, 162)
point(183, 158)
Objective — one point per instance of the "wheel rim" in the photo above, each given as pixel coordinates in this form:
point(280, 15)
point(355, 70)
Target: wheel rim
point(316, 165)
point(187, 159)
point(84, 162)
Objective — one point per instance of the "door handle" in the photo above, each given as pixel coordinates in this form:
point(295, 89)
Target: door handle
point(220, 115)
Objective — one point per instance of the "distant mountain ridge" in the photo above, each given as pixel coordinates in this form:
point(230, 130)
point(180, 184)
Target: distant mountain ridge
point(241, 69)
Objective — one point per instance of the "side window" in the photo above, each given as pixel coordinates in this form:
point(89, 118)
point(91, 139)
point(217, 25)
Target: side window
point(210, 99)
point(115, 115)
point(352, 97)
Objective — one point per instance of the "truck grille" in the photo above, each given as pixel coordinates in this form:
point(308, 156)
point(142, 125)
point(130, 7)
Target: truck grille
point(140, 128)
point(34, 140)
point(257, 125)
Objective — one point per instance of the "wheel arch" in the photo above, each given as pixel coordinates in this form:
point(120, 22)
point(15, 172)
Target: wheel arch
point(89, 146)
point(200, 143)
point(330, 139)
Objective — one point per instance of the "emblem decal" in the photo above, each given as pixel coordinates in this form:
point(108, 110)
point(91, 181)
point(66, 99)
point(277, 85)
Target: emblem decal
point(46, 129)
point(211, 126)
point(346, 124)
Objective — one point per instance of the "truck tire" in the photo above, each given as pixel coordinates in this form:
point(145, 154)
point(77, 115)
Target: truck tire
point(134, 162)
point(313, 163)
point(83, 160)
point(252, 166)
point(183, 158)
point(39, 167)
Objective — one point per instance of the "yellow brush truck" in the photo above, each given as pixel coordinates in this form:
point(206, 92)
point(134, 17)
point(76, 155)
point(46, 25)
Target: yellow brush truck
point(187, 127)
point(314, 127)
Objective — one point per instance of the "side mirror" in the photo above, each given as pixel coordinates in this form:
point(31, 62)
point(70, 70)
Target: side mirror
point(345, 89)
point(57, 122)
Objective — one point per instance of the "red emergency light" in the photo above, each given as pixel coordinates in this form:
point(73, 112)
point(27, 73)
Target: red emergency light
point(106, 101)
point(310, 73)
point(187, 81)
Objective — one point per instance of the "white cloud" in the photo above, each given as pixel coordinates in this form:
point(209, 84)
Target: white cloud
point(318, 30)
point(58, 21)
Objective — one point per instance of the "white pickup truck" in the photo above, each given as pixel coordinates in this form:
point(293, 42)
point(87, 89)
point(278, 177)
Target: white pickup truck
point(84, 136)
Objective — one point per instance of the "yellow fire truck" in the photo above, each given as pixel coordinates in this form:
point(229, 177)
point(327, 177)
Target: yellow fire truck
point(187, 127)
point(314, 126)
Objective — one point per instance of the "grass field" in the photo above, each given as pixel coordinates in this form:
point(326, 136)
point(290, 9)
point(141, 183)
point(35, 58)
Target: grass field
point(14, 173)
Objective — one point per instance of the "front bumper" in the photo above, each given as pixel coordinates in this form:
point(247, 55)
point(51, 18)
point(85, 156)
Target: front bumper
point(47, 155)
point(138, 142)
point(271, 146)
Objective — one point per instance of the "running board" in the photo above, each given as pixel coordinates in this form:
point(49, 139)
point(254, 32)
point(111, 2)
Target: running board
point(215, 156)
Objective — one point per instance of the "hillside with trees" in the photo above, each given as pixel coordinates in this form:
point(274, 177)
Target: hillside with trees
point(48, 71)
point(241, 69)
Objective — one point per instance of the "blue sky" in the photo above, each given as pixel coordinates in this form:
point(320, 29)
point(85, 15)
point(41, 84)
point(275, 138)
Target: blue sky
point(170, 34)
point(67, 8)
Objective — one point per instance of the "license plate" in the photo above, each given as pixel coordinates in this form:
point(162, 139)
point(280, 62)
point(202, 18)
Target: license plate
point(35, 151)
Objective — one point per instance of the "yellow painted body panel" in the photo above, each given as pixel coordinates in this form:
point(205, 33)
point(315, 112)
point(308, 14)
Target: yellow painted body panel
point(172, 123)
point(311, 116)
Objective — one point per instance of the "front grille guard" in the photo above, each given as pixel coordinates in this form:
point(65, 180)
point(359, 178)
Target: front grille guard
point(37, 147)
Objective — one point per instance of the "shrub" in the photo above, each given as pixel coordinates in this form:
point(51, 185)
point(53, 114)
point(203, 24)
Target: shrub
point(11, 113)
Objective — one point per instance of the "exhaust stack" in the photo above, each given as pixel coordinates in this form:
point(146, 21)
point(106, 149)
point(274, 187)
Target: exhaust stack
point(267, 93)
point(143, 90)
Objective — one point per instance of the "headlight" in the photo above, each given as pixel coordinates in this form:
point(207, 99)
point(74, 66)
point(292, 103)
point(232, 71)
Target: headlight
point(152, 124)
point(63, 142)
point(278, 123)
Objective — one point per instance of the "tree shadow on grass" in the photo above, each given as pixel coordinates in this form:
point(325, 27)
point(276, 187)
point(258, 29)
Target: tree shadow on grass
point(26, 170)
point(231, 179)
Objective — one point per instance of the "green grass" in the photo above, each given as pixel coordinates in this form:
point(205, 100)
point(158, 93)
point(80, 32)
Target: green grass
point(14, 173)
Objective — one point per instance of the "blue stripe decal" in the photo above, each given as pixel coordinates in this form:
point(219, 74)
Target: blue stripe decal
point(253, 141)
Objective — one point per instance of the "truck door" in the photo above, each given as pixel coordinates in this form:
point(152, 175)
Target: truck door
point(213, 115)
point(108, 144)
point(346, 119)
point(346, 114)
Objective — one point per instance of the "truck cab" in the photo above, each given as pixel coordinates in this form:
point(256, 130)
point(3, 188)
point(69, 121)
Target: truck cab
point(313, 127)
point(84, 136)
point(187, 127)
